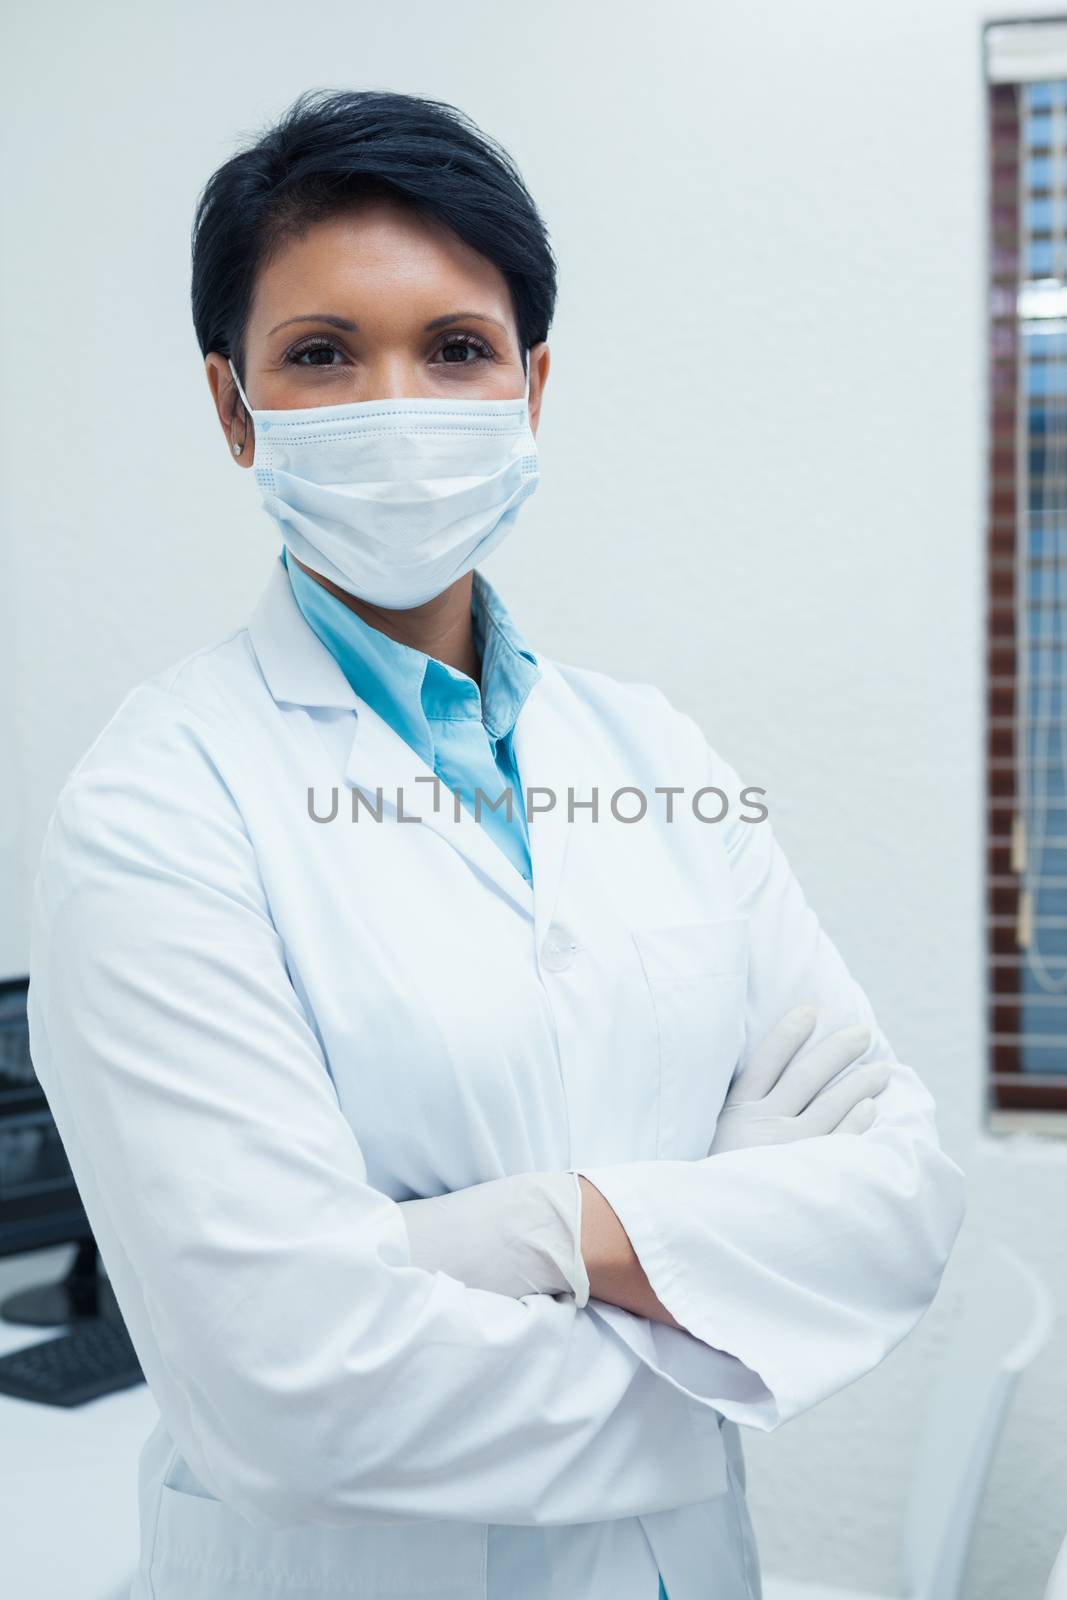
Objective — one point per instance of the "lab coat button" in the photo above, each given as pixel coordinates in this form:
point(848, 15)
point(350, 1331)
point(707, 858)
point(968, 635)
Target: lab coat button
point(557, 952)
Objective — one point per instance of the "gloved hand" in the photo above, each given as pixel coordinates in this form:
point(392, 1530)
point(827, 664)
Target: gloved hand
point(515, 1235)
point(775, 1098)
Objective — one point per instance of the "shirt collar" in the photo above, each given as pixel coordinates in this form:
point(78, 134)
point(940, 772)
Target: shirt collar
point(407, 687)
point(510, 667)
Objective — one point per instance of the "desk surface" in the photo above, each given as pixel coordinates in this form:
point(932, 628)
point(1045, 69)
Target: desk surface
point(68, 1478)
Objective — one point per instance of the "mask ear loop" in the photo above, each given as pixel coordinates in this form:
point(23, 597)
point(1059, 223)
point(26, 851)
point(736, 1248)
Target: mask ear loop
point(237, 448)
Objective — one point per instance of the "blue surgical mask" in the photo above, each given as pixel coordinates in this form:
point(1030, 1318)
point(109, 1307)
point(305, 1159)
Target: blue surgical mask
point(393, 500)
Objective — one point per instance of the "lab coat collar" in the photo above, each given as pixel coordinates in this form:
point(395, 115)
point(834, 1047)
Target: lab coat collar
point(547, 745)
point(296, 664)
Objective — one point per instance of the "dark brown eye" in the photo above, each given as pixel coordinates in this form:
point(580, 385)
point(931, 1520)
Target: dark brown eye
point(464, 350)
point(313, 348)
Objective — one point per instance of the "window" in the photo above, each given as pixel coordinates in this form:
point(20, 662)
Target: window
point(1026, 859)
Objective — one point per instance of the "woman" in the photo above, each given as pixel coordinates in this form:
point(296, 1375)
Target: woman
point(465, 1185)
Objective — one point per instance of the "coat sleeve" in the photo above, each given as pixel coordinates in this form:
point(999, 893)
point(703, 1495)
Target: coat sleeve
point(806, 1262)
point(307, 1372)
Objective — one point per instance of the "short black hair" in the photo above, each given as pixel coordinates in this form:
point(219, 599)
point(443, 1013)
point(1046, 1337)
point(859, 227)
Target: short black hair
point(331, 149)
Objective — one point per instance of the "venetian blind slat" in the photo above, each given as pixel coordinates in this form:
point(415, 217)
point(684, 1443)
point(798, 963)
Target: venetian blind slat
point(1026, 607)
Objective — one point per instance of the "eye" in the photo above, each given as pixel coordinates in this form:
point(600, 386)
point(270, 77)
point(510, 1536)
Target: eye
point(464, 350)
point(313, 348)
point(456, 350)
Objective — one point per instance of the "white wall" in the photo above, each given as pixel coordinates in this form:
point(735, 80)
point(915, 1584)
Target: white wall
point(763, 454)
point(12, 763)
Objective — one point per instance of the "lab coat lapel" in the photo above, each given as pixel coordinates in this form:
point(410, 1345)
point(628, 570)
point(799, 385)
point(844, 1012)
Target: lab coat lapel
point(551, 760)
point(380, 759)
point(551, 756)
point(300, 670)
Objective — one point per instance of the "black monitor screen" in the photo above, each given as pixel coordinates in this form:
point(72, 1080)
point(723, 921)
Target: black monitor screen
point(39, 1202)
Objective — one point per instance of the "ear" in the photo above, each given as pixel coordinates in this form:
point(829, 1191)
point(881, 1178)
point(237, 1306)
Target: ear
point(234, 420)
point(540, 360)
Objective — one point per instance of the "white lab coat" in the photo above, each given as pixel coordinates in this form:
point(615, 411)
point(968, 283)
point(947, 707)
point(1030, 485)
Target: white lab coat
point(257, 1032)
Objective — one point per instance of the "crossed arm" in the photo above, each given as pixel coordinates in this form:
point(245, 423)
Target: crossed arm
point(519, 1235)
point(615, 1273)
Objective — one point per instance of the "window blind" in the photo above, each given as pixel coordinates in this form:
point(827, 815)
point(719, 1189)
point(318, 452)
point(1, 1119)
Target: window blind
point(1026, 896)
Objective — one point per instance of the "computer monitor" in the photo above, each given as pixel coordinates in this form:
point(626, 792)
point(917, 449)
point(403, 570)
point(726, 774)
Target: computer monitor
point(39, 1201)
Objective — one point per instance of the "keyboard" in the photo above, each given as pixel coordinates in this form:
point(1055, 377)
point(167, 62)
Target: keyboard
point(94, 1358)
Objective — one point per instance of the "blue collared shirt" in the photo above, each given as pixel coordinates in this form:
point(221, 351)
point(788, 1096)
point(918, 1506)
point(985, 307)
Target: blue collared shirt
point(464, 734)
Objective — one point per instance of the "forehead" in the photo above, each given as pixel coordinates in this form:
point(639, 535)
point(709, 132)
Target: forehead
point(373, 259)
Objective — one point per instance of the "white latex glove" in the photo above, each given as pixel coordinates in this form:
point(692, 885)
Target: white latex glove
point(515, 1235)
point(775, 1098)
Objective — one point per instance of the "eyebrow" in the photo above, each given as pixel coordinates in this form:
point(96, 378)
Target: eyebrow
point(349, 326)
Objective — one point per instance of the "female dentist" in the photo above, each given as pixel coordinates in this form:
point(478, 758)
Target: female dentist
point(476, 1124)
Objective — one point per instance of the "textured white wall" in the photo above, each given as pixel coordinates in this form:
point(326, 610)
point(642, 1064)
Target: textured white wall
point(763, 452)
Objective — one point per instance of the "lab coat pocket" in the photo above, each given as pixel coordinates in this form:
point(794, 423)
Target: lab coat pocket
point(204, 1550)
point(697, 974)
